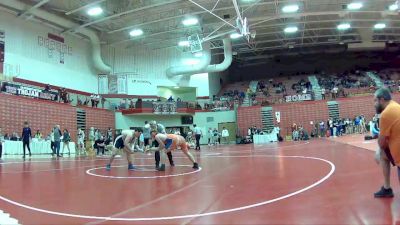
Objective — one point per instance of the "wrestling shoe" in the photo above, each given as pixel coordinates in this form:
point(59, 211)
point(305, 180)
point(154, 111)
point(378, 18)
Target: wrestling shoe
point(384, 193)
point(131, 167)
point(161, 168)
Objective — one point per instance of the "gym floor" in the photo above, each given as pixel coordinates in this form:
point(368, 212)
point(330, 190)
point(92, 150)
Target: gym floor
point(324, 181)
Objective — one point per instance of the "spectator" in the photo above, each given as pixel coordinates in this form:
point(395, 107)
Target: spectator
point(100, 146)
point(146, 133)
point(81, 141)
point(323, 93)
point(109, 135)
point(210, 136)
point(66, 139)
point(38, 135)
point(57, 140)
point(14, 137)
point(216, 137)
point(103, 100)
point(1, 143)
point(225, 135)
point(92, 136)
point(52, 143)
point(26, 137)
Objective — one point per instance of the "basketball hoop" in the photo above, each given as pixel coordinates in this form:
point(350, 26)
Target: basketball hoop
point(243, 28)
point(195, 43)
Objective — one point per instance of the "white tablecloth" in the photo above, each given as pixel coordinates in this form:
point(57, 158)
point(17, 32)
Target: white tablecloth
point(37, 147)
point(265, 138)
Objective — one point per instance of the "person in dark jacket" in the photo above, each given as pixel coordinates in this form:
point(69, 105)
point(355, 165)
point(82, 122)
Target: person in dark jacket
point(26, 137)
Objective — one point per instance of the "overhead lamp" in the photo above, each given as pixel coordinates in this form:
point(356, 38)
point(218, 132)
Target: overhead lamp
point(290, 8)
point(184, 43)
point(235, 36)
point(136, 32)
point(176, 87)
point(354, 6)
point(292, 29)
point(380, 26)
point(344, 26)
point(95, 11)
point(394, 7)
point(190, 21)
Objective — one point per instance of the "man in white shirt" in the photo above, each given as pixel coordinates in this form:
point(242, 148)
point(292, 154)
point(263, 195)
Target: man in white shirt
point(323, 93)
point(225, 135)
point(210, 135)
point(335, 92)
point(81, 141)
point(146, 133)
point(198, 134)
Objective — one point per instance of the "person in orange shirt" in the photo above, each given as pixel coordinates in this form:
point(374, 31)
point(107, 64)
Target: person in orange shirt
point(389, 138)
point(170, 142)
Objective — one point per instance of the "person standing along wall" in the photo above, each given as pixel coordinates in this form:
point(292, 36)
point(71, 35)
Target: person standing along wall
point(198, 134)
point(66, 140)
point(57, 140)
point(26, 137)
point(225, 135)
point(1, 143)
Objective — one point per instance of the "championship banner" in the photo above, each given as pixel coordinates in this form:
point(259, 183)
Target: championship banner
point(2, 50)
point(17, 89)
point(298, 98)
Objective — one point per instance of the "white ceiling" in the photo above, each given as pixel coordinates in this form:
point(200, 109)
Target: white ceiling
point(161, 21)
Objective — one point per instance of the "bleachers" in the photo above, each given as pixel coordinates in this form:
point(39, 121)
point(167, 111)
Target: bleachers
point(275, 98)
point(362, 85)
point(240, 86)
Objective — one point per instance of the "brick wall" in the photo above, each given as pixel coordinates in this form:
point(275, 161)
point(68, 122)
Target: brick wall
point(301, 114)
point(350, 107)
point(41, 114)
point(248, 117)
point(99, 118)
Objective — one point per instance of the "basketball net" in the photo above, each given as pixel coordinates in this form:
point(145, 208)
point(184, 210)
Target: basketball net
point(243, 28)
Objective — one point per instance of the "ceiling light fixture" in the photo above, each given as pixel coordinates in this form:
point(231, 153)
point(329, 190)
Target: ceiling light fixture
point(235, 36)
point(95, 11)
point(190, 21)
point(380, 26)
point(136, 32)
point(354, 6)
point(290, 8)
point(344, 26)
point(291, 29)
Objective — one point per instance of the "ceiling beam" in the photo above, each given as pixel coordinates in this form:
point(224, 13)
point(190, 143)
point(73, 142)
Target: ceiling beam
point(122, 14)
point(259, 26)
point(37, 5)
point(181, 16)
point(84, 7)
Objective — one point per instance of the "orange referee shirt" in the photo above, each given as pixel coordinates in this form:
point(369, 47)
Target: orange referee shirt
point(389, 125)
